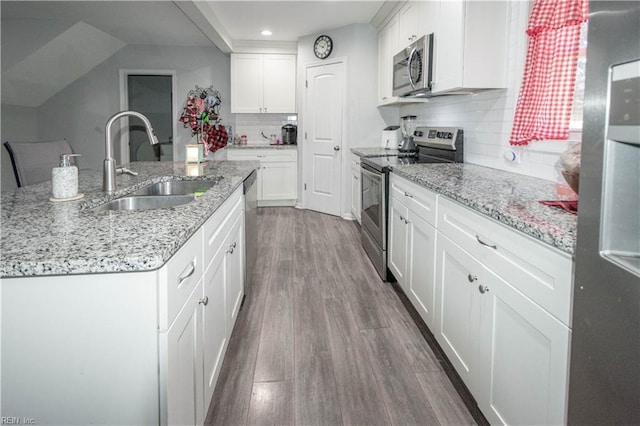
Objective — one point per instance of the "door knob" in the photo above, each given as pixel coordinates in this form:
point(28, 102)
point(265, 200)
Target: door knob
point(483, 289)
point(472, 278)
point(336, 148)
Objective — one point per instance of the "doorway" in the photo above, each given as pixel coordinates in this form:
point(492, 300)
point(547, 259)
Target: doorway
point(149, 93)
point(323, 130)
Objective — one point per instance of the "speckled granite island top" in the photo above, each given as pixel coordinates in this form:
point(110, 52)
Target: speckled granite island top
point(374, 152)
point(39, 237)
point(509, 198)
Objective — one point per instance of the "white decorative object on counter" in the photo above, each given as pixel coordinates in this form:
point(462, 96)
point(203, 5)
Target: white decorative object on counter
point(64, 179)
point(194, 153)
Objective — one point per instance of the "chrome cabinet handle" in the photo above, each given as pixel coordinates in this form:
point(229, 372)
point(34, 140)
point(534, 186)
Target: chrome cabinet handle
point(356, 178)
point(231, 247)
point(483, 289)
point(336, 148)
point(406, 194)
point(192, 269)
point(485, 244)
point(234, 245)
point(472, 278)
point(204, 301)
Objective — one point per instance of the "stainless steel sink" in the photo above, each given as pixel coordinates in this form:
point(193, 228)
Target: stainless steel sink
point(146, 202)
point(176, 187)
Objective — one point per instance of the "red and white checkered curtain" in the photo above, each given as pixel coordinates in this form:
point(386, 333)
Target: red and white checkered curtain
point(544, 105)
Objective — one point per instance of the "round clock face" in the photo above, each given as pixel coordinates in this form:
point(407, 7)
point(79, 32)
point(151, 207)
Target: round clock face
point(323, 46)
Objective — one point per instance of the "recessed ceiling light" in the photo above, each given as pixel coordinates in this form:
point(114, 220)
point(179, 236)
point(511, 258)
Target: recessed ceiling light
point(266, 33)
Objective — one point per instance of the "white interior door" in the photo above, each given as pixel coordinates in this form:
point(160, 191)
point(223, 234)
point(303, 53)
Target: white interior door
point(323, 138)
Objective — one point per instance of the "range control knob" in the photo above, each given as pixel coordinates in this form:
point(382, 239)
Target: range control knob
point(439, 135)
point(449, 135)
point(418, 133)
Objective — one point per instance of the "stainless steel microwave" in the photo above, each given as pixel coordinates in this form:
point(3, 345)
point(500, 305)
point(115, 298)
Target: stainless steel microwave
point(412, 68)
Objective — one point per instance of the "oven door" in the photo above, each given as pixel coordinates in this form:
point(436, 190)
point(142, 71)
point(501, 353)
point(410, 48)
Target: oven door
point(374, 204)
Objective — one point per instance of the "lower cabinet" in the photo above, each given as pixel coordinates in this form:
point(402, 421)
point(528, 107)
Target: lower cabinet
point(496, 301)
point(184, 351)
point(356, 188)
point(411, 244)
point(510, 351)
point(198, 338)
point(277, 174)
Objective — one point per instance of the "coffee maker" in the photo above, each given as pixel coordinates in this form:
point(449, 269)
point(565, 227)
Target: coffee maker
point(408, 127)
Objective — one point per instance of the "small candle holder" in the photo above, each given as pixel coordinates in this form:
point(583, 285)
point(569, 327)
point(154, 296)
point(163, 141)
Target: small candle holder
point(194, 153)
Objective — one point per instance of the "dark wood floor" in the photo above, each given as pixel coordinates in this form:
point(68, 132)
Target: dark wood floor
point(322, 340)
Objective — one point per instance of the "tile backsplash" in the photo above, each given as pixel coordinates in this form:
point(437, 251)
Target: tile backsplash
point(253, 125)
point(487, 117)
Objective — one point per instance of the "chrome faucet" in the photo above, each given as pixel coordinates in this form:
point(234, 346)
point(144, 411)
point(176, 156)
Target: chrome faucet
point(109, 169)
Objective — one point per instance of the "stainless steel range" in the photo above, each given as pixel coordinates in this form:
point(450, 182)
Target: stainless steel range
point(434, 145)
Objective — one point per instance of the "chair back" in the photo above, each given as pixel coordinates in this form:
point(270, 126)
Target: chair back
point(32, 161)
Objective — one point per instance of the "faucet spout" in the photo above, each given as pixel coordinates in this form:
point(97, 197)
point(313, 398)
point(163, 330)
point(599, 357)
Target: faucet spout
point(109, 167)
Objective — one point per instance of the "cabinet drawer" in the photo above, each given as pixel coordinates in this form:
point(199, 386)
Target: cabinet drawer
point(541, 273)
point(217, 226)
point(178, 278)
point(417, 199)
point(355, 161)
point(263, 155)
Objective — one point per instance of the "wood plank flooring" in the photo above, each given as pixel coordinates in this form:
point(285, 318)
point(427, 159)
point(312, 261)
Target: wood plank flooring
point(322, 340)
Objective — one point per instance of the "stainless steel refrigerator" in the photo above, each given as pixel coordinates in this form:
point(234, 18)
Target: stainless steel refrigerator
point(604, 382)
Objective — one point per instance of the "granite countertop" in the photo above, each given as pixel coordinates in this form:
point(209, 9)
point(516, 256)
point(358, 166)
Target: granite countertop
point(262, 146)
point(374, 152)
point(509, 198)
point(40, 237)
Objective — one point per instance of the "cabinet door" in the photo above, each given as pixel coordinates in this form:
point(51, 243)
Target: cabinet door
point(524, 354)
point(387, 47)
point(408, 23)
point(397, 244)
point(247, 77)
point(214, 332)
point(457, 309)
point(234, 286)
point(185, 400)
point(278, 181)
point(279, 84)
point(449, 46)
point(421, 267)
point(355, 193)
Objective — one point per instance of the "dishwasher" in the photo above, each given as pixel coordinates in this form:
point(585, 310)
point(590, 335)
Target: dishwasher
point(250, 228)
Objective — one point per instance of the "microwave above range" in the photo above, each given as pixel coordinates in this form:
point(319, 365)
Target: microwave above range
point(413, 68)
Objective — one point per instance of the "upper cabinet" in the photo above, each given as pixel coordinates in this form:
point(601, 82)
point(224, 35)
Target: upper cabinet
point(470, 41)
point(470, 46)
point(263, 83)
point(387, 44)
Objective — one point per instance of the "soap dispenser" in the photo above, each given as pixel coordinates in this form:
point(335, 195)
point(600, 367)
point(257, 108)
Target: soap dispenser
point(64, 179)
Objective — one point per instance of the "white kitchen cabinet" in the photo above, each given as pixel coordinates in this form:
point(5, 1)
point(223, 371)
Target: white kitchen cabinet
point(356, 188)
point(398, 234)
point(139, 348)
point(184, 391)
point(263, 83)
point(470, 46)
point(234, 286)
point(501, 305)
point(409, 24)
point(387, 47)
point(412, 241)
point(223, 289)
point(523, 354)
point(458, 310)
point(277, 174)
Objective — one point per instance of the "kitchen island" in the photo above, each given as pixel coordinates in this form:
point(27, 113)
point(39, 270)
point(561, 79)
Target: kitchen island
point(120, 317)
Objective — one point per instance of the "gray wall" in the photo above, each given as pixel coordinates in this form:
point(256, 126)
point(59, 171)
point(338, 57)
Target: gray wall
point(358, 45)
point(79, 112)
point(18, 124)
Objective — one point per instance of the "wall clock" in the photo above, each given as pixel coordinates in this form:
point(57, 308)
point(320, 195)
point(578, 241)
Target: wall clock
point(323, 46)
